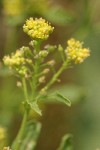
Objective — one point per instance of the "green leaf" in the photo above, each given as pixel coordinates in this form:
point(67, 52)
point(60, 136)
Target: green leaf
point(75, 93)
point(35, 107)
point(63, 99)
point(31, 135)
point(66, 143)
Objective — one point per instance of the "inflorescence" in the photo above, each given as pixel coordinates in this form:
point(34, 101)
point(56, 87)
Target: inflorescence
point(38, 28)
point(76, 52)
point(19, 61)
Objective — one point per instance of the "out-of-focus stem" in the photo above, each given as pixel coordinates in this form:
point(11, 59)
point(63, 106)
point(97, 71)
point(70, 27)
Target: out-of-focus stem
point(11, 39)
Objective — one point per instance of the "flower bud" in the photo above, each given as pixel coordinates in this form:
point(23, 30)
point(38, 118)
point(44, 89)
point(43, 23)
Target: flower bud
point(42, 79)
point(43, 53)
point(51, 63)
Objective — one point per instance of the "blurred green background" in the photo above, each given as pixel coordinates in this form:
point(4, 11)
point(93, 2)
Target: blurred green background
point(71, 18)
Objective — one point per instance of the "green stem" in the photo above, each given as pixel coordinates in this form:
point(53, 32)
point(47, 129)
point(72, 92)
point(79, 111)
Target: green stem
point(18, 141)
point(37, 45)
point(25, 90)
point(36, 69)
point(55, 77)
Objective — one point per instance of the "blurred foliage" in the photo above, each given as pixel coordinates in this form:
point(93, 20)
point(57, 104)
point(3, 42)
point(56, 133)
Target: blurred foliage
point(66, 143)
point(16, 11)
point(31, 136)
point(59, 16)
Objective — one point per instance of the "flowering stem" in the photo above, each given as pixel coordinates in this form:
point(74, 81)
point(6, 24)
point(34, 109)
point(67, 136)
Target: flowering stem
point(18, 141)
point(25, 90)
point(36, 70)
point(54, 78)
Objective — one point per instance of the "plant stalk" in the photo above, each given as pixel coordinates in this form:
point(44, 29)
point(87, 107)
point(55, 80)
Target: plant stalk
point(55, 77)
point(19, 139)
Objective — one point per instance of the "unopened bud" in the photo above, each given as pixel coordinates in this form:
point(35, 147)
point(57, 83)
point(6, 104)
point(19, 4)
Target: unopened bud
point(60, 48)
point(43, 91)
point(45, 71)
point(42, 79)
point(19, 84)
point(51, 62)
point(43, 53)
point(58, 80)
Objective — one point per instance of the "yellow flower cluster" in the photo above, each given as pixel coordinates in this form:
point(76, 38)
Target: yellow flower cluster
point(76, 52)
point(15, 60)
point(18, 60)
point(37, 28)
point(13, 7)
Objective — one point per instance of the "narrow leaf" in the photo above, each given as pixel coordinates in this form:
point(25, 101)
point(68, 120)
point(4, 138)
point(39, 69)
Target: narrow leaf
point(63, 99)
point(66, 143)
point(35, 107)
point(31, 135)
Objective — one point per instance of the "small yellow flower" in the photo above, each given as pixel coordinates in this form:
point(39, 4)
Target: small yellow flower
point(37, 28)
point(76, 52)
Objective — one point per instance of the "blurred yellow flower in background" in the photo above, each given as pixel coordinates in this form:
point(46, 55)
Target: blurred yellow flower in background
point(13, 7)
